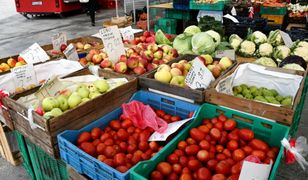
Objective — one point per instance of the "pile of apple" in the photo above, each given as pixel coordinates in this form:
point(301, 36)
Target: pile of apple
point(80, 46)
point(121, 145)
point(55, 106)
point(215, 150)
point(11, 63)
point(147, 37)
point(176, 73)
point(94, 57)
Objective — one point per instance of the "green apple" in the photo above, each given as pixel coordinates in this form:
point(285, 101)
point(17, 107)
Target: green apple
point(49, 103)
point(101, 85)
point(74, 100)
point(55, 112)
point(83, 92)
point(92, 88)
point(83, 100)
point(94, 94)
point(163, 76)
point(63, 104)
point(81, 86)
point(47, 115)
point(178, 80)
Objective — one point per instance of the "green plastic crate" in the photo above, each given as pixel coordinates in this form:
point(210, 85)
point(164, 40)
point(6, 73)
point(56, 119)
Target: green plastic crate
point(273, 10)
point(268, 131)
point(38, 164)
point(167, 25)
point(178, 14)
point(219, 6)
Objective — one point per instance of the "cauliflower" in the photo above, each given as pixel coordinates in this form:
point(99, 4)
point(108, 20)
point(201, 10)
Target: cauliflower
point(247, 48)
point(302, 52)
point(294, 67)
point(281, 52)
point(258, 37)
point(275, 38)
point(303, 44)
point(265, 61)
point(235, 41)
point(265, 50)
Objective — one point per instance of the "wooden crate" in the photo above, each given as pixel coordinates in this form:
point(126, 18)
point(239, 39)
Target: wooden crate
point(74, 175)
point(148, 82)
point(6, 144)
point(282, 115)
point(46, 136)
point(241, 59)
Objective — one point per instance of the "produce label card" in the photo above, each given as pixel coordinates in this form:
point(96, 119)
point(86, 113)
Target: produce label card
point(24, 77)
point(198, 76)
point(230, 53)
point(50, 88)
point(58, 40)
point(172, 127)
point(34, 54)
point(71, 53)
point(127, 33)
point(225, 86)
point(286, 39)
point(254, 171)
point(113, 43)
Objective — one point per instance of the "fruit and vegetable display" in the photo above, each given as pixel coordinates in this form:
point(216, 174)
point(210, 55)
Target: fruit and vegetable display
point(206, 1)
point(262, 94)
point(11, 63)
point(297, 10)
point(176, 72)
point(214, 150)
point(209, 23)
point(66, 100)
point(122, 144)
point(83, 46)
point(150, 37)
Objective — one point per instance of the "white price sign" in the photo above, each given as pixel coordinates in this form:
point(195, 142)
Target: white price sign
point(286, 39)
point(112, 42)
point(34, 54)
point(58, 40)
point(127, 33)
point(198, 76)
point(71, 53)
point(24, 76)
point(230, 53)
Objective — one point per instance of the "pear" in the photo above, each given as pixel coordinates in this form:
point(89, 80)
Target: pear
point(56, 112)
point(101, 85)
point(83, 92)
point(74, 100)
point(49, 103)
point(63, 104)
point(94, 94)
point(47, 115)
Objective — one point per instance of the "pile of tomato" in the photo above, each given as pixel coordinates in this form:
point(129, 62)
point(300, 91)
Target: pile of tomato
point(215, 150)
point(121, 145)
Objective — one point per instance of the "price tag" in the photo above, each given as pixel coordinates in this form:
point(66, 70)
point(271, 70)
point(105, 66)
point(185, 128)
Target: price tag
point(24, 77)
point(127, 33)
point(225, 86)
point(58, 40)
point(112, 42)
point(71, 53)
point(230, 53)
point(286, 39)
point(172, 127)
point(34, 54)
point(198, 76)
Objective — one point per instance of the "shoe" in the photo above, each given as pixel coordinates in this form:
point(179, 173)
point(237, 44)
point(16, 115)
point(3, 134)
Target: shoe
point(93, 24)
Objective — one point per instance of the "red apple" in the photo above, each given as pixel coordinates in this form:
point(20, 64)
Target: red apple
point(132, 62)
point(158, 54)
point(146, 34)
point(143, 61)
point(176, 72)
point(123, 58)
point(63, 47)
point(150, 40)
point(142, 38)
point(96, 59)
point(173, 53)
point(94, 51)
point(83, 61)
point(120, 67)
point(129, 52)
point(178, 65)
point(152, 47)
point(151, 66)
point(11, 62)
point(89, 57)
point(139, 70)
point(148, 55)
point(106, 63)
point(20, 59)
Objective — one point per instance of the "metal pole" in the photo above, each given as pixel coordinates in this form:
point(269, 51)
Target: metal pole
point(124, 6)
point(148, 15)
point(117, 11)
point(134, 10)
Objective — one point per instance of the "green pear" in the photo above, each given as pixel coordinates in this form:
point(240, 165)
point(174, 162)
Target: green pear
point(101, 85)
point(240, 96)
point(49, 103)
point(237, 89)
point(63, 104)
point(83, 92)
point(287, 101)
point(56, 112)
point(74, 100)
point(92, 88)
point(279, 98)
point(94, 94)
point(83, 100)
point(81, 86)
point(47, 115)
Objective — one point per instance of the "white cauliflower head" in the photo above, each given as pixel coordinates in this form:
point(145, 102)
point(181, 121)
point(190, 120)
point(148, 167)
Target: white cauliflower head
point(247, 48)
point(235, 41)
point(258, 37)
point(265, 50)
point(281, 52)
point(302, 52)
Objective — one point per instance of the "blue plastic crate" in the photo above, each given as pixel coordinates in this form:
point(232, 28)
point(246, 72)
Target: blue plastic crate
point(95, 169)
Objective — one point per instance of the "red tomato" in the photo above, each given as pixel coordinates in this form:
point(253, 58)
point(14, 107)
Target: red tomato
point(149, 152)
point(209, 125)
point(143, 146)
point(173, 158)
point(109, 162)
point(108, 142)
point(222, 118)
point(172, 176)
point(182, 145)
point(122, 169)
point(247, 150)
point(236, 169)
point(123, 146)
point(260, 154)
point(191, 141)
point(215, 133)
point(224, 138)
point(242, 143)
point(96, 133)
point(164, 168)
point(230, 161)
point(271, 154)
point(204, 174)
point(175, 118)
point(204, 144)
point(119, 159)
point(221, 157)
point(223, 168)
point(190, 114)
point(232, 145)
point(88, 148)
point(126, 124)
point(214, 120)
point(132, 140)
point(219, 125)
point(183, 160)
point(211, 164)
point(219, 177)
point(156, 175)
point(208, 138)
point(229, 125)
point(192, 149)
point(206, 121)
point(227, 152)
point(177, 168)
point(203, 156)
point(259, 145)
point(131, 148)
point(233, 136)
point(167, 117)
point(136, 158)
point(129, 157)
point(204, 129)
point(116, 148)
point(100, 148)
point(131, 130)
point(96, 142)
point(179, 152)
point(246, 134)
point(185, 170)
point(144, 136)
point(122, 134)
point(268, 160)
point(83, 137)
point(219, 148)
point(212, 149)
point(115, 124)
point(160, 113)
point(185, 176)
point(145, 156)
point(275, 149)
point(234, 177)
point(104, 136)
point(194, 165)
point(238, 155)
point(153, 145)
point(197, 134)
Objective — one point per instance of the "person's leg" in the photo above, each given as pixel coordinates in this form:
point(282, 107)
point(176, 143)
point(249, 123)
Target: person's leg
point(92, 11)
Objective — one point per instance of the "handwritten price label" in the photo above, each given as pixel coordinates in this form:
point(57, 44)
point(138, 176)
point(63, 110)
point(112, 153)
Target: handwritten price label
point(58, 40)
point(198, 76)
point(34, 54)
point(24, 77)
point(127, 33)
point(113, 44)
point(71, 53)
point(286, 39)
point(230, 53)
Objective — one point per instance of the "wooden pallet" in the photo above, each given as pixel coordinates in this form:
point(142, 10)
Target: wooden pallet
point(73, 174)
point(5, 149)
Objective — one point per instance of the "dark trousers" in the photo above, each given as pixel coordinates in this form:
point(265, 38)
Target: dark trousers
point(91, 8)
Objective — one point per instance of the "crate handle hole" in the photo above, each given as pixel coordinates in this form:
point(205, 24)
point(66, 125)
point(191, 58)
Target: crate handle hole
point(218, 111)
point(268, 126)
point(242, 119)
point(167, 101)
